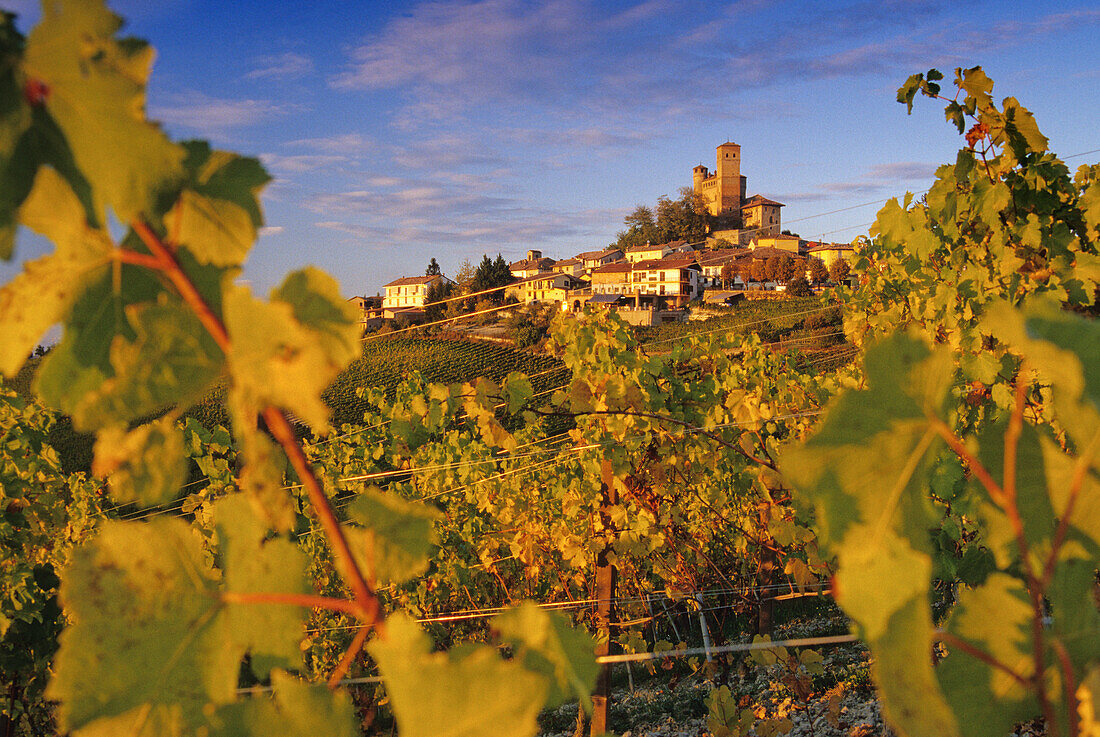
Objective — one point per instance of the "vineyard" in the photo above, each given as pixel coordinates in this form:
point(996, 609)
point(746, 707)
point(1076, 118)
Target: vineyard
point(798, 518)
point(386, 362)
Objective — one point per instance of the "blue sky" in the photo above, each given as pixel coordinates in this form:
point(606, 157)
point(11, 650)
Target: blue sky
point(398, 132)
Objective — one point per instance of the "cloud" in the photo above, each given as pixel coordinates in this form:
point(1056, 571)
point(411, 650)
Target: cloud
point(202, 112)
point(288, 65)
point(297, 164)
point(271, 230)
point(345, 143)
point(878, 180)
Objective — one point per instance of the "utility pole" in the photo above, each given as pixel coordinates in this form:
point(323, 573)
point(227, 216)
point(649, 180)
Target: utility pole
point(605, 597)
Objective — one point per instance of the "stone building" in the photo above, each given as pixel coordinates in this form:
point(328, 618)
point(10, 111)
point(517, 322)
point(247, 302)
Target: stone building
point(740, 218)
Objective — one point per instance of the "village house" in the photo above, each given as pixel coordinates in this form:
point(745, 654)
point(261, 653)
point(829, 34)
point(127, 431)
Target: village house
point(611, 278)
point(647, 251)
point(595, 259)
point(714, 262)
point(544, 288)
point(674, 277)
point(570, 266)
point(408, 294)
point(533, 264)
point(831, 252)
point(761, 215)
point(370, 310)
point(789, 243)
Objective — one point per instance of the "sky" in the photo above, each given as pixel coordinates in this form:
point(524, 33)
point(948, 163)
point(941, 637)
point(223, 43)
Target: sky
point(396, 132)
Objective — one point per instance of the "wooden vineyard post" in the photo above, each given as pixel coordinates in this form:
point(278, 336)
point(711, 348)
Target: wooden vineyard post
point(605, 600)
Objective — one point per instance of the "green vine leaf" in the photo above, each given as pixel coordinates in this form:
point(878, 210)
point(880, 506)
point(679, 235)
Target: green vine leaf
point(144, 465)
point(218, 214)
point(96, 93)
point(468, 692)
point(393, 538)
point(545, 643)
point(272, 633)
point(995, 618)
point(297, 709)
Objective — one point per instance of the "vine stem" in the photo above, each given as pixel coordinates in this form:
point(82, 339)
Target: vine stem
point(1069, 686)
point(369, 608)
point(982, 655)
point(1080, 472)
point(349, 656)
point(311, 601)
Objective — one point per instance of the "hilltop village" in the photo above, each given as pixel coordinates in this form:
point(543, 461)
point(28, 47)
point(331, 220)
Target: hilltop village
point(743, 252)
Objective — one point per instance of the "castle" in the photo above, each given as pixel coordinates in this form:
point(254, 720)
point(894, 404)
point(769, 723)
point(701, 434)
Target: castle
point(743, 218)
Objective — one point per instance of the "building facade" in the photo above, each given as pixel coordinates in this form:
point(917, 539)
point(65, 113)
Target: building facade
point(408, 292)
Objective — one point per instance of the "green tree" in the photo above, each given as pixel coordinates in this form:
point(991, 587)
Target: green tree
point(839, 271)
point(433, 268)
point(684, 218)
point(818, 272)
point(799, 287)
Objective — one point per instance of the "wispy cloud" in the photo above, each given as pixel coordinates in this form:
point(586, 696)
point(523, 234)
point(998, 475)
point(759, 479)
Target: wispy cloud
point(302, 163)
point(199, 111)
point(287, 65)
point(342, 144)
point(878, 180)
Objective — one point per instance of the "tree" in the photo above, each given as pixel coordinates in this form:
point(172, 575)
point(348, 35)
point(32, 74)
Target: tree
point(439, 290)
point(433, 268)
point(729, 271)
point(771, 268)
point(799, 287)
point(839, 270)
point(788, 268)
point(818, 272)
point(758, 270)
point(641, 229)
point(465, 276)
point(684, 218)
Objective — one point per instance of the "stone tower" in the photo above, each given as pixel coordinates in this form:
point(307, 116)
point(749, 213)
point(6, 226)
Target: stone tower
point(728, 172)
point(724, 190)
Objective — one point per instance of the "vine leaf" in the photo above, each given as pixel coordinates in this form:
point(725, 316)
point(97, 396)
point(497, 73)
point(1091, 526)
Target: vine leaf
point(170, 360)
point(42, 295)
point(96, 93)
point(467, 692)
point(147, 628)
point(865, 475)
point(150, 633)
point(297, 709)
point(144, 465)
point(285, 352)
point(996, 618)
point(218, 213)
point(545, 643)
point(272, 633)
point(394, 537)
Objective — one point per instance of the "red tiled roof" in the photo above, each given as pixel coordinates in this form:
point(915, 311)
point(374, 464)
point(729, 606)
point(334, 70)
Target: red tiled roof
point(654, 246)
point(677, 261)
point(589, 255)
point(614, 267)
point(410, 280)
point(768, 252)
point(757, 199)
point(831, 247)
point(528, 263)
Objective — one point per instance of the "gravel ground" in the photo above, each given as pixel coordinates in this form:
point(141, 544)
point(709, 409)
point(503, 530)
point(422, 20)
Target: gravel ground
point(673, 703)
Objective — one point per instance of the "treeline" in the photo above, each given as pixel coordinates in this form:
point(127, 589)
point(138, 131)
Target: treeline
point(685, 218)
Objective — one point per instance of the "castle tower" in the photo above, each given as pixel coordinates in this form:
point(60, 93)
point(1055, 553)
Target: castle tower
point(698, 174)
point(728, 173)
